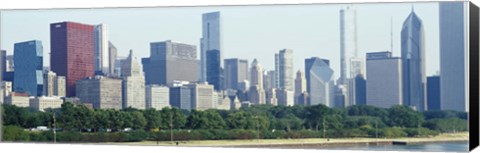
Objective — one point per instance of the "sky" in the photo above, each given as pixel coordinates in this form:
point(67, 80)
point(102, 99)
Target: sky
point(248, 31)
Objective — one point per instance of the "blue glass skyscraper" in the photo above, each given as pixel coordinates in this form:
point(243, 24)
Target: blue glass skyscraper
point(28, 60)
point(211, 40)
point(413, 62)
point(214, 70)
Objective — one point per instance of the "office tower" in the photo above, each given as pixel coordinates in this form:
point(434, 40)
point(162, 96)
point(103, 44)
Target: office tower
point(117, 70)
point(133, 84)
point(320, 84)
point(157, 96)
point(357, 90)
point(112, 58)
point(413, 62)
point(101, 49)
point(270, 80)
point(271, 97)
point(433, 93)
point(300, 84)
point(49, 79)
point(170, 61)
point(181, 97)
point(44, 103)
point(284, 69)
point(453, 47)
point(101, 92)
point(18, 99)
point(244, 85)
point(348, 40)
point(10, 67)
point(202, 96)
point(72, 52)
point(146, 68)
point(28, 58)
point(384, 83)
point(256, 92)
point(285, 97)
point(211, 40)
point(3, 63)
point(341, 96)
point(214, 69)
point(60, 86)
point(236, 71)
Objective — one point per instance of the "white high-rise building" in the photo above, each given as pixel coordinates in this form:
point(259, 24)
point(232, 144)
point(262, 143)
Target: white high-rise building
point(348, 40)
point(157, 96)
point(133, 84)
point(256, 93)
point(202, 95)
point(284, 69)
point(320, 84)
point(454, 90)
point(211, 40)
point(101, 49)
point(384, 83)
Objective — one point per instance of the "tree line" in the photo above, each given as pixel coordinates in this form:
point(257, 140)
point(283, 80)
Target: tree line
point(257, 121)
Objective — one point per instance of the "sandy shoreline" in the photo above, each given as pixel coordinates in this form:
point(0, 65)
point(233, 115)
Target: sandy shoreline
point(311, 142)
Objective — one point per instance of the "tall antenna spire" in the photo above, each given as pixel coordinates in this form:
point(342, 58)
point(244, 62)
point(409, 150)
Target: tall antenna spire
point(391, 34)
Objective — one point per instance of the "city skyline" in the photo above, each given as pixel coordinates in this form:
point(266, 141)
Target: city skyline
point(312, 44)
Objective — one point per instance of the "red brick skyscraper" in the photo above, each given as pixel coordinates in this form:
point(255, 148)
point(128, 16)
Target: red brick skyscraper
point(72, 52)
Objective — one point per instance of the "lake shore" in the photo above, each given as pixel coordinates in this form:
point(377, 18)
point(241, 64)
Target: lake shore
point(310, 142)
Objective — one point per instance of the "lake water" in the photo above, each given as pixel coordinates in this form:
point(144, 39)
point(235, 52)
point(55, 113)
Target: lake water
point(431, 147)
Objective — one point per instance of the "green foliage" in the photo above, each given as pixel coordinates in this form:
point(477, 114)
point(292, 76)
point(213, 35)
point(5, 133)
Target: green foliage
point(15, 133)
point(404, 116)
point(447, 125)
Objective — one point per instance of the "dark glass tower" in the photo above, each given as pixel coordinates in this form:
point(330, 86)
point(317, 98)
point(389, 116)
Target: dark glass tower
point(214, 70)
point(72, 52)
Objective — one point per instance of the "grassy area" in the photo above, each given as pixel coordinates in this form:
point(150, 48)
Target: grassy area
point(446, 137)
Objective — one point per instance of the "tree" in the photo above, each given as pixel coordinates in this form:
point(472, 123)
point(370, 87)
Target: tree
point(138, 120)
point(404, 116)
point(237, 120)
point(67, 119)
point(153, 118)
point(205, 120)
point(314, 116)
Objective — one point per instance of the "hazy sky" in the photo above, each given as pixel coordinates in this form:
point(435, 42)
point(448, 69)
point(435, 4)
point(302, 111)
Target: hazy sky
point(248, 31)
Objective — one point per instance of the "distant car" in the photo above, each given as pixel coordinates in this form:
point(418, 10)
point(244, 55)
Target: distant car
point(127, 129)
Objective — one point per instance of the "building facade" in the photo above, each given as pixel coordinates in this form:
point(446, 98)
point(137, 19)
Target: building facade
point(102, 92)
point(413, 62)
point(284, 69)
point(433, 93)
point(72, 52)
point(384, 83)
point(236, 70)
point(320, 83)
point(112, 58)
point(453, 55)
point(101, 49)
point(202, 96)
point(211, 40)
point(44, 103)
point(348, 40)
point(28, 58)
point(181, 97)
point(215, 70)
point(171, 61)
point(157, 97)
point(133, 84)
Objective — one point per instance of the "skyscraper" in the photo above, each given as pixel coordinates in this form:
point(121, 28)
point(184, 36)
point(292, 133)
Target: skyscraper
point(214, 70)
point(112, 58)
point(384, 83)
point(49, 79)
point(357, 89)
point(3, 63)
point(28, 58)
point(284, 69)
point(413, 62)
point(133, 84)
point(101, 49)
point(453, 47)
point(256, 93)
point(320, 84)
point(300, 84)
point(170, 61)
point(211, 40)
point(236, 70)
point(348, 40)
point(72, 52)
point(181, 97)
point(433, 93)
point(202, 96)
